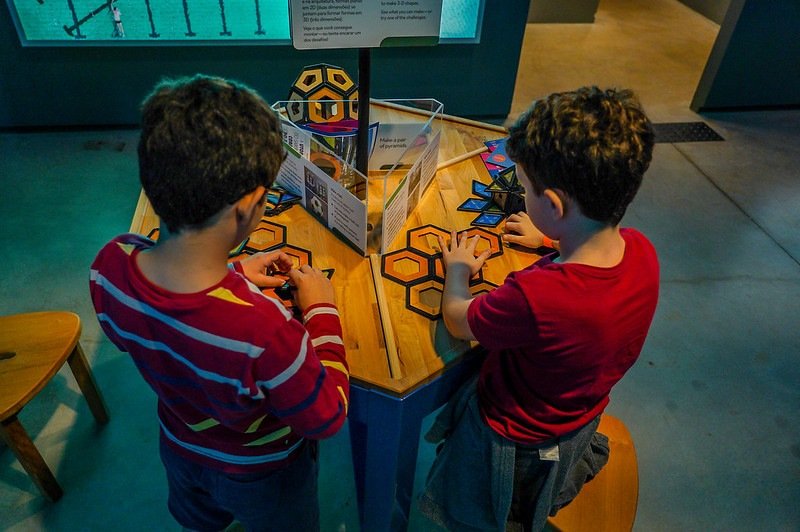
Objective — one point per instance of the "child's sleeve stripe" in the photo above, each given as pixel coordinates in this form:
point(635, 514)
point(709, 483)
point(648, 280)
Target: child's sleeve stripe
point(336, 365)
point(320, 310)
point(344, 398)
point(328, 339)
point(287, 373)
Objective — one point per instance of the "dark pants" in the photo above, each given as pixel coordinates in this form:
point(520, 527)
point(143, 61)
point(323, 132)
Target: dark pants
point(531, 471)
point(206, 499)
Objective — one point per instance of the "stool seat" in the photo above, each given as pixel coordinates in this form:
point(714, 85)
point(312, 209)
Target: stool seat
point(608, 501)
point(33, 347)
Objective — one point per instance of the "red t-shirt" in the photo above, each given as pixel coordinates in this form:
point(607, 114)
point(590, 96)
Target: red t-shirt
point(559, 336)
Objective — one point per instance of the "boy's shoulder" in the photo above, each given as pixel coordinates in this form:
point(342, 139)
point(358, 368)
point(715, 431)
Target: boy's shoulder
point(233, 300)
point(635, 235)
point(119, 249)
point(126, 242)
point(640, 259)
point(639, 249)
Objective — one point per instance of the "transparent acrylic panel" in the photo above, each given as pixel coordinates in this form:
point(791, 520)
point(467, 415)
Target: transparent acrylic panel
point(367, 211)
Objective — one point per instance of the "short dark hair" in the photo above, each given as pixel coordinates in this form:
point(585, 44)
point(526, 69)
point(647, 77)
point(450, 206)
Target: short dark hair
point(593, 144)
point(205, 143)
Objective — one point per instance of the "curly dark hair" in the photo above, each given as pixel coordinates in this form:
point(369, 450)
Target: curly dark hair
point(595, 145)
point(205, 143)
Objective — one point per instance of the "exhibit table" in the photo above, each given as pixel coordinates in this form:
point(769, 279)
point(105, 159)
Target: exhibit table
point(403, 364)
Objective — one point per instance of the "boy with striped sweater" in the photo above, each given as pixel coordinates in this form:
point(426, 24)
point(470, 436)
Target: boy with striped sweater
point(243, 388)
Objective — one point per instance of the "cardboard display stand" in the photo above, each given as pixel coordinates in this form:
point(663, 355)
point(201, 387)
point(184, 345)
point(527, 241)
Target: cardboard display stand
point(366, 211)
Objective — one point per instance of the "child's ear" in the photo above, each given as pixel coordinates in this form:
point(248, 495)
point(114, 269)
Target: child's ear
point(556, 202)
point(250, 205)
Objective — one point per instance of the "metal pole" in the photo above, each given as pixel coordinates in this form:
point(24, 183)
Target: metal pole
point(362, 138)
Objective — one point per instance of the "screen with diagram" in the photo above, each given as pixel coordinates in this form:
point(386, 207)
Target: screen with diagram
point(181, 22)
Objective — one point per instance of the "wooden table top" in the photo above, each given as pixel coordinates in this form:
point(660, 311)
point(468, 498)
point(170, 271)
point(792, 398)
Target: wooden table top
point(418, 347)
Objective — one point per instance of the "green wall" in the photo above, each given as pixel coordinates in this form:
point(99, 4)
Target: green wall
point(96, 86)
point(755, 61)
point(562, 11)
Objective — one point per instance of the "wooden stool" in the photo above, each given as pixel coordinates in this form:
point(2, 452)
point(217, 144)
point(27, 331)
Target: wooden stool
point(33, 347)
point(607, 502)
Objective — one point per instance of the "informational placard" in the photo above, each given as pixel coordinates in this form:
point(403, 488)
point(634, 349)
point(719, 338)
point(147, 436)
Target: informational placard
point(392, 142)
point(364, 23)
point(323, 197)
point(402, 203)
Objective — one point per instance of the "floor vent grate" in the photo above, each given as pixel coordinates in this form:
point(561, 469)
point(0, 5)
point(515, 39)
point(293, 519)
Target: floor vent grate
point(685, 132)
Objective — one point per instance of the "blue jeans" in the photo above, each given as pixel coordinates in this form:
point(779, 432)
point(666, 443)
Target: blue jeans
point(206, 499)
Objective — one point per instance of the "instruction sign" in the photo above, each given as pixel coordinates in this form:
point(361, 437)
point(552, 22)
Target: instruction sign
point(326, 199)
point(364, 23)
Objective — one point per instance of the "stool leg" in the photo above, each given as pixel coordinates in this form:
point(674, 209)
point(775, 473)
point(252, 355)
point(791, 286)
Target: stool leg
point(83, 374)
point(15, 437)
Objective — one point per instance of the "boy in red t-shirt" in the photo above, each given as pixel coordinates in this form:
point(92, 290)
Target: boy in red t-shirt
point(244, 388)
point(559, 333)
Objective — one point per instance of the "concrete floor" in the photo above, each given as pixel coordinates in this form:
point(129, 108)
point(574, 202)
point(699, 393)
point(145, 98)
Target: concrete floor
point(713, 404)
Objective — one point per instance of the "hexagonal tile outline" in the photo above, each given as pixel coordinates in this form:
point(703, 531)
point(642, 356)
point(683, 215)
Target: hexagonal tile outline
point(414, 239)
point(478, 283)
point(389, 259)
point(477, 278)
point(482, 287)
point(438, 273)
point(437, 267)
point(279, 239)
point(414, 304)
point(303, 256)
point(495, 242)
point(319, 98)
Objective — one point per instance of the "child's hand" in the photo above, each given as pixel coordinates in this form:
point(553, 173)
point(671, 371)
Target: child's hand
point(258, 267)
point(312, 287)
point(519, 229)
point(461, 252)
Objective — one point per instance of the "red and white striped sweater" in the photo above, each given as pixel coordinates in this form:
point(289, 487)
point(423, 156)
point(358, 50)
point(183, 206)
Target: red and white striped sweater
point(239, 381)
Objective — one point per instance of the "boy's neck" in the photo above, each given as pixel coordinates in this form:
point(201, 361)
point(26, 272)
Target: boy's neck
point(187, 262)
point(585, 241)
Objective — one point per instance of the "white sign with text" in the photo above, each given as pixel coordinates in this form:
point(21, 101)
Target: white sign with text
point(363, 23)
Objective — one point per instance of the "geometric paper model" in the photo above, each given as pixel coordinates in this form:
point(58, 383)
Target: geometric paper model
point(323, 93)
point(500, 198)
point(506, 191)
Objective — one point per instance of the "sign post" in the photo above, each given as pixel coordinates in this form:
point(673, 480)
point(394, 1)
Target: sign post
point(362, 138)
point(364, 24)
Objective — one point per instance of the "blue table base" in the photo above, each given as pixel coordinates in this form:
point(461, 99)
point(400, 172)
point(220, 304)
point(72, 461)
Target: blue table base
point(384, 437)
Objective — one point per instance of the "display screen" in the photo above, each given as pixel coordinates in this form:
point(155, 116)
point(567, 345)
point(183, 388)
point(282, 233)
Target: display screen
point(181, 22)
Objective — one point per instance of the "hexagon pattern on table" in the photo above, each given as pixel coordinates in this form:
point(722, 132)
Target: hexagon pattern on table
point(419, 268)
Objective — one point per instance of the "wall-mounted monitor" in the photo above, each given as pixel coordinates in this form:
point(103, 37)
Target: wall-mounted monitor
point(186, 22)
